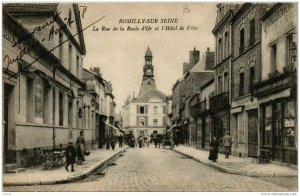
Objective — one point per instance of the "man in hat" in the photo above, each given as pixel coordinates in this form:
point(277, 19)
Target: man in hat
point(70, 156)
point(227, 144)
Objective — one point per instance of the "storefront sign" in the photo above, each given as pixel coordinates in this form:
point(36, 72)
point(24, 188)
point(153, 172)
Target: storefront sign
point(236, 110)
point(267, 89)
point(285, 8)
point(241, 102)
point(252, 105)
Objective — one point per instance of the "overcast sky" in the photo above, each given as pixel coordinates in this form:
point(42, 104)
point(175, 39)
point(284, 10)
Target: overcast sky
point(120, 54)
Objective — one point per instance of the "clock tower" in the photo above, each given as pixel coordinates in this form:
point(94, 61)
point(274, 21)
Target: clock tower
point(148, 81)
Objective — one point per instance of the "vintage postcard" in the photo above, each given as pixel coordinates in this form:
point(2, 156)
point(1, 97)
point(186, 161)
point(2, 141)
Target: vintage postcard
point(150, 97)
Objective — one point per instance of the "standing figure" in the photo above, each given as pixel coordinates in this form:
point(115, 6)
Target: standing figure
point(227, 144)
point(140, 140)
point(107, 144)
point(112, 143)
point(80, 144)
point(214, 148)
point(120, 138)
point(70, 156)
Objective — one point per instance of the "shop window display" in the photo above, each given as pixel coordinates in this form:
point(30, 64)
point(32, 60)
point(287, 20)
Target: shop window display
point(268, 126)
point(289, 125)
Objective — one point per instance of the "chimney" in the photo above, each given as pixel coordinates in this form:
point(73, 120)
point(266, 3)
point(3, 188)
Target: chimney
point(194, 57)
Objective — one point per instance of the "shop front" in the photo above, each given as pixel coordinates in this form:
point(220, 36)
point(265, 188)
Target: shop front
point(278, 132)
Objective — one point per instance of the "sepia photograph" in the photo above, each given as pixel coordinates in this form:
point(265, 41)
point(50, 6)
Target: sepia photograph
point(150, 97)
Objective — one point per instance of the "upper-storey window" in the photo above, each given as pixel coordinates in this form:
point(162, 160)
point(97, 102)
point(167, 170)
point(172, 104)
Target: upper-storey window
point(274, 57)
point(242, 41)
point(291, 49)
point(61, 49)
point(77, 65)
point(142, 110)
point(155, 109)
point(252, 32)
point(220, 84)
point(226, 47)
point(226, 83)
point(220, 47)
point(241, 89)
point(70, 55)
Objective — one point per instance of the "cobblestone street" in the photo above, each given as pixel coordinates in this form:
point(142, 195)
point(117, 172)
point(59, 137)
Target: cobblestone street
point(151, 169)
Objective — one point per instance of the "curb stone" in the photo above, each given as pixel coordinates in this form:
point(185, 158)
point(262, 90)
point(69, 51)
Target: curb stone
point(69, 179)
point(239, 172)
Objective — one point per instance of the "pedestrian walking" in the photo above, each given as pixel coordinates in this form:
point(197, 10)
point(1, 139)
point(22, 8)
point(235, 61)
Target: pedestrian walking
point(70, 156)
point(112, 143)
point(175, 140)
point(140, 140)
point(107, 144)
point(227, 144)
point(148, 141)
point(213, 153)
point(120, 138)
point(80, 144)
point(155, 140)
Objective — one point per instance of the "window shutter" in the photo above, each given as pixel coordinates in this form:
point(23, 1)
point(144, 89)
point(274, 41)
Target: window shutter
point(137, 109)
point(137, 121)
point(146, 109)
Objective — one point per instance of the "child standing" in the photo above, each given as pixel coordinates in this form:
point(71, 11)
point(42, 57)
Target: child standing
point(70, 156)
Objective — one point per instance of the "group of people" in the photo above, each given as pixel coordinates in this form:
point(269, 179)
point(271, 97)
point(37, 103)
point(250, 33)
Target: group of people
point(71, 152)
point(214, 147)
point(111, 142)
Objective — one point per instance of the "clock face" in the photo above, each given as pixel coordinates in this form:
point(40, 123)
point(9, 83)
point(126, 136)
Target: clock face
point(149, 71)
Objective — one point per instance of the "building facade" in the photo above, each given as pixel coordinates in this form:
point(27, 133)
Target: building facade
point(220, 101)
point(201, 75)
point(246, 69)
point(276, 92)
point(41, 78)
point(146, 114)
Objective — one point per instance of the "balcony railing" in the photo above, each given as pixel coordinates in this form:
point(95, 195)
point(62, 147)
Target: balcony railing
point(276, 81)
point(220, 101)
point(199, 108)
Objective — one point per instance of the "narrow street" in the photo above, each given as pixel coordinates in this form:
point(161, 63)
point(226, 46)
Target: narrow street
point(156, 169)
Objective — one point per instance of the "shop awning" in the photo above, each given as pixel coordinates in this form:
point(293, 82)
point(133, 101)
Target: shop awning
point(282, 94)
point(110, 125)
point(173, 127)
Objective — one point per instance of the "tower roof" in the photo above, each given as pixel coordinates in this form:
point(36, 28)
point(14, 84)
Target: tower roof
point(148, 52)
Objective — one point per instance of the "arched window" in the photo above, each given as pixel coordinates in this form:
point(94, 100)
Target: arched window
point(219, 84)
point(226, 84)
point(142, 110)
point(39, 97)
point(142, 121)
point(226, 47)
point(155, 109)
point(220, 55)
point(70, 16)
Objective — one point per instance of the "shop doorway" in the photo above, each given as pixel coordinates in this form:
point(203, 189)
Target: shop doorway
point(218, 128)
point(252, 133)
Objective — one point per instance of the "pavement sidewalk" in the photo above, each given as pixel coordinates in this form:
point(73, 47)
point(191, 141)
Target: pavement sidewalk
point(38, 176)
point(237, 165)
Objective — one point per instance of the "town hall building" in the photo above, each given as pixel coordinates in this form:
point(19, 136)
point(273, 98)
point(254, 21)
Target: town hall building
point(146, 114)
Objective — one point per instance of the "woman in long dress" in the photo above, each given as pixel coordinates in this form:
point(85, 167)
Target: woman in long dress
point(214, 148)
point(80, 144)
